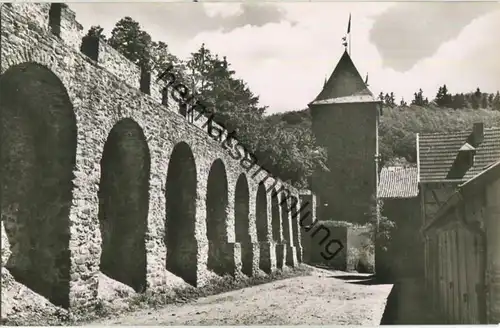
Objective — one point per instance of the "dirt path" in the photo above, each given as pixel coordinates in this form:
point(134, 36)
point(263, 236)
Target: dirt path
point(318, 299)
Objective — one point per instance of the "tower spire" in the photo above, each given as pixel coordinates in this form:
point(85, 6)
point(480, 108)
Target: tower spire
point(345, 84)
point(349, 33)
point(345, 42)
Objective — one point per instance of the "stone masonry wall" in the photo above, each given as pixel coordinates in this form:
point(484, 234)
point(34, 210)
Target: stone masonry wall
point(54, 90)
point(349, 133)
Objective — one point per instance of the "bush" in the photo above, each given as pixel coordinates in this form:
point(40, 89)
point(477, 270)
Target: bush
point(381, 227)
point(366, 259)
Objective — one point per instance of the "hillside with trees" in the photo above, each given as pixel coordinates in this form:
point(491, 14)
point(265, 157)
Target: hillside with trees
point(399, 124)
point(284, 143)
point(444, 99)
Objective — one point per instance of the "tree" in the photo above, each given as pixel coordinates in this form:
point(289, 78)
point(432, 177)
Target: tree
point(484, 101)
point(458, 101)
point(496, 102)
point(230, 99)
point(381, 96)
point(475, 99)
point(132, 42)
point(161, 58)
point(387, 99)
point(382, 227)
point(439, 97)
point(443, 98)
point(96, 31)
point(478, 93)
point(419, 98)
point(198, 68)
point(288, 151)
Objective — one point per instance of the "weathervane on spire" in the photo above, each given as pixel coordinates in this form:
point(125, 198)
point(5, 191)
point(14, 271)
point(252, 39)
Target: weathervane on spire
point(345, 43)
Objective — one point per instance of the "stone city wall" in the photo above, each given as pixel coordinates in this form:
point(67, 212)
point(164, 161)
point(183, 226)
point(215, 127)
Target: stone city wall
point(101, 177)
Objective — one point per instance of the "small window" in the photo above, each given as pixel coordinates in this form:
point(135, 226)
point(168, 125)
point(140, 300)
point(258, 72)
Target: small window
point(164, 96)
point(145, 82)
point(190, 116)
point(55, 18)
point(183, 109)
point(90, 47)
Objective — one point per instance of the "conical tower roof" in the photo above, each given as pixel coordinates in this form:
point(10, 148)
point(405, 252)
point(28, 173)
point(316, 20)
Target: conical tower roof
point(345, 85)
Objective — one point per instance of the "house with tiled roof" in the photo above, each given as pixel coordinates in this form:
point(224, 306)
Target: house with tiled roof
point(448, 159)
point(398, 189)
point(462, 248)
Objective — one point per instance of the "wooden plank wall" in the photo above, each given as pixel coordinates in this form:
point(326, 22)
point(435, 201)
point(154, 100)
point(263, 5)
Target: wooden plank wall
point(453, 273)
point(462, 275)
point(492, 218)
point(462, 262)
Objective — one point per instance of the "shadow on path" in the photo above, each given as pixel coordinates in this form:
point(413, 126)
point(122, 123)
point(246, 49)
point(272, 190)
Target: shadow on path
point(407, 305)
point(361, 279)
point(353, 276)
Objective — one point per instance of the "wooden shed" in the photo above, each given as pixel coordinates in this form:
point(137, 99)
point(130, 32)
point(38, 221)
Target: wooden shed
point(462, 252)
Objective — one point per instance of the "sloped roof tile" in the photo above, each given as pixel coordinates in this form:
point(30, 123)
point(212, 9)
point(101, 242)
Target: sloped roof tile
point(438, 151)
point(398, 182)
point(345, 84)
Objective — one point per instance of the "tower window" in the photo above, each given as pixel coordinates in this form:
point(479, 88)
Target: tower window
point(55, 18)
point(145, 81)
point(190, 116)
point(183, 109)
point(164, 96)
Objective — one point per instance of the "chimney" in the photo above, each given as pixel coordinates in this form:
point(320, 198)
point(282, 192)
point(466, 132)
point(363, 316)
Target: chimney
point(477, 133)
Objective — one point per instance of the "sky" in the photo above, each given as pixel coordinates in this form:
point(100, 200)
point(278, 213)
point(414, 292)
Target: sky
point(284, 51)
